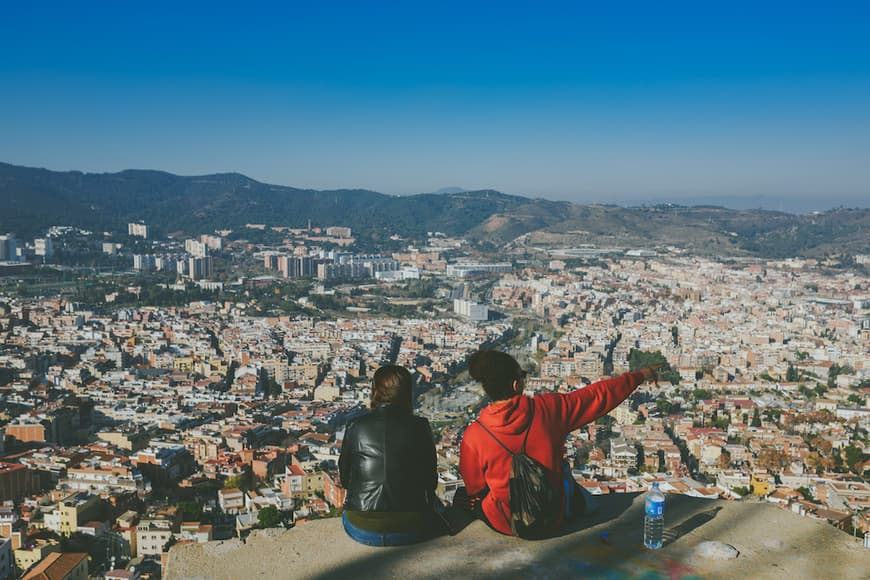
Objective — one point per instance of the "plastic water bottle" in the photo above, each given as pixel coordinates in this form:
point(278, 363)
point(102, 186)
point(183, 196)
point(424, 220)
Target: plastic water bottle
point(654, 518)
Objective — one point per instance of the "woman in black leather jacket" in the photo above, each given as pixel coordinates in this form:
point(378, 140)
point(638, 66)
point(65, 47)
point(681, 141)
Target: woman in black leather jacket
point(388, 467)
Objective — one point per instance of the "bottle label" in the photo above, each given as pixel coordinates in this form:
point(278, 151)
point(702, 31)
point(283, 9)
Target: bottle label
point(654, 508)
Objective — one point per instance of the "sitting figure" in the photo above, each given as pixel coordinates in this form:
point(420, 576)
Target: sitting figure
point(512, 456)
point(388, 467)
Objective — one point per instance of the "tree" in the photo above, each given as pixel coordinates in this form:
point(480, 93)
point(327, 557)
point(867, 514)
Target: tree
point(724, 460)
point(231, 374)
point(263, 382)
point(853, 398)
point(701, 394)
point(675, 335)
point(190, 511)
point(837, 370)
point(756, 418)
point(791, 374)
point(839, 466)
point(854, 457)
point(823, 445)
point(741, 491)
point(637, 359)
point(274, 389)
point(664, 406)
point(269, 517)
point(804, 491)
point(235, 482)
point(772, 459)
point(816, 462)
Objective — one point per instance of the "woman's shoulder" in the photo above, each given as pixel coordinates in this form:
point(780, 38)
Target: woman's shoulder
point(359, 419)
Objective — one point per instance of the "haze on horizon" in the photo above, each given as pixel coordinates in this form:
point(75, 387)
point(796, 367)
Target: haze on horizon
point(743, 106)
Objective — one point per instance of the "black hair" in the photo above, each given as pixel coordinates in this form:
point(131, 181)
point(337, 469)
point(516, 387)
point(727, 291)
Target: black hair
point(497, 371)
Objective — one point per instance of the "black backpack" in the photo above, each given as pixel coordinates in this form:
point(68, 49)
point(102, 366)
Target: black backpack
point(534, 503)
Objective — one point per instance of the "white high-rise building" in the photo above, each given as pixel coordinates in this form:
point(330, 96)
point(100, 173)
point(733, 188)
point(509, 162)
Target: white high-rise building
point(143, 262)
point(111, 248)
point(138, 230)
point(471, 310)
point(199, 268)
point(43, 247)
point(213, 242)
point(195, 248)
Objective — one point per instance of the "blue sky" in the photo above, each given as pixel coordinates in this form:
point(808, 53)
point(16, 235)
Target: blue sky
point(591, 102)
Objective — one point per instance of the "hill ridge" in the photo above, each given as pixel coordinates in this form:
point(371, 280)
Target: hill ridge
point(36, 198)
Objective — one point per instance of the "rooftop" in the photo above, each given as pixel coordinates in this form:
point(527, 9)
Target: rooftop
point(56, 566)
point(772, 543)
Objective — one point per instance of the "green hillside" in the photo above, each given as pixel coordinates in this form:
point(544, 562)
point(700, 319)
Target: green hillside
point(34, 199)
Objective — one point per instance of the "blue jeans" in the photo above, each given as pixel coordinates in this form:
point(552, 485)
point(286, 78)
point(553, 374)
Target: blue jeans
point(379, 538)
point(578, 501)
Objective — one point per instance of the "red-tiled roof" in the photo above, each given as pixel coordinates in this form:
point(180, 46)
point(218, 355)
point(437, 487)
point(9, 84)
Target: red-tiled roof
point(56, 566)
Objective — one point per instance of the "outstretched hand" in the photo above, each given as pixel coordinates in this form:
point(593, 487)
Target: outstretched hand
point(650, 373)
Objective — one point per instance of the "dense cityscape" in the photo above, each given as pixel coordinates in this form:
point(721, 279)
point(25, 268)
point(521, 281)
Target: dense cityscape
point(166, 390)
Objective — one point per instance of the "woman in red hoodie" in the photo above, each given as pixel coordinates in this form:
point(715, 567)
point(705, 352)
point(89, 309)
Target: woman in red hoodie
point(484, 462)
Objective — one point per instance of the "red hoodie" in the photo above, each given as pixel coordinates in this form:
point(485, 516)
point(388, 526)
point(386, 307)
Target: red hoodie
point(484, 464)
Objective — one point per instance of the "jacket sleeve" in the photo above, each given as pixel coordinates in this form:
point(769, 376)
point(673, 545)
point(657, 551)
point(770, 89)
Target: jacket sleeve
point(470, 466)
point(430, 458)
point(585, 405)
point(344, 460)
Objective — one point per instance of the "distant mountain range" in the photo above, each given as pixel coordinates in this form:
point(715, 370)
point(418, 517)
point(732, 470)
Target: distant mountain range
point(33, 199)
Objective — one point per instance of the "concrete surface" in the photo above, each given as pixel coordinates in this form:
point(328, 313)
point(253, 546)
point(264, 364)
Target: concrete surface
point(772, 543)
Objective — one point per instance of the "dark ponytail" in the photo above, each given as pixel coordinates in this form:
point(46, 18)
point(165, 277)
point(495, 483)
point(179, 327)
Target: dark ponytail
point(496, 371)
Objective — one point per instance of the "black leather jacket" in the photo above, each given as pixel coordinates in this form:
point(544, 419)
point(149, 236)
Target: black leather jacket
point(388, 462)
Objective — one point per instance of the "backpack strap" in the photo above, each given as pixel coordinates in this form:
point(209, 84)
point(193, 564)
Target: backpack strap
point(529, 427)
point(525, 438)
point(503, 446)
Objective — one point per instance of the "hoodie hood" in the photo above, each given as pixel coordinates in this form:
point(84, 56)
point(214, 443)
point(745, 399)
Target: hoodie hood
point(510, 417)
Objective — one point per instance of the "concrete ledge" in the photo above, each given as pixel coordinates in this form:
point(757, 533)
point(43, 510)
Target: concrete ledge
point(772, 542)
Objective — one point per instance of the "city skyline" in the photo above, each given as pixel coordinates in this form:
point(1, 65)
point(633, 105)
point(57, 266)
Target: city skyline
point(768, 108)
